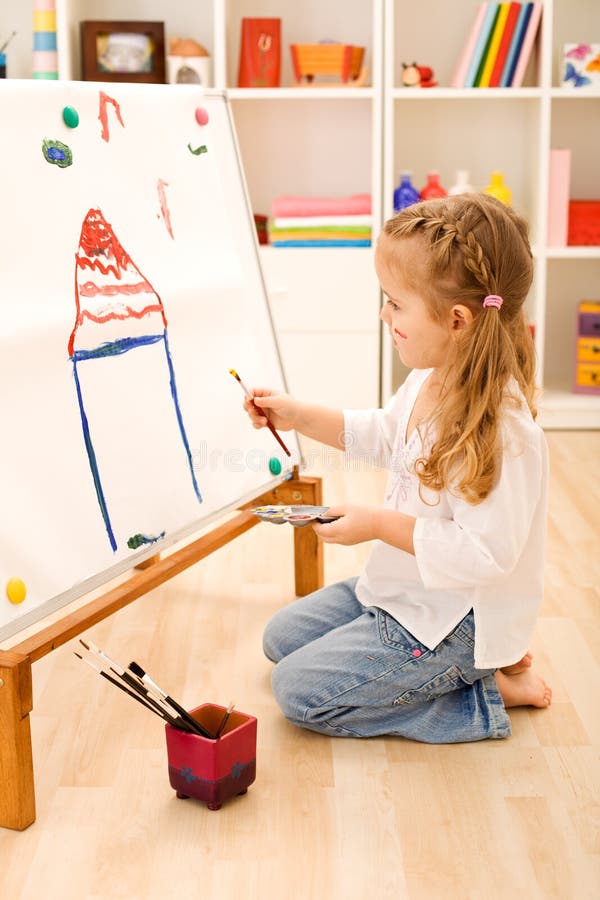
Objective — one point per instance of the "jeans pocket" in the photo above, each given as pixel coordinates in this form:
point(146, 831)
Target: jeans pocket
point(395, 636)
point(442, 683)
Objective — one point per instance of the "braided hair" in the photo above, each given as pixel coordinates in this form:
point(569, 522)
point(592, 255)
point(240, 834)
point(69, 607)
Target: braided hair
point(474, 246)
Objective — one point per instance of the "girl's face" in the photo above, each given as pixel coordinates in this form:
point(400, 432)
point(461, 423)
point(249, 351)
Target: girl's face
point(421, 342)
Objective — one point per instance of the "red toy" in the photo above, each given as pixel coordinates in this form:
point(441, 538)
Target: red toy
point(417, 76)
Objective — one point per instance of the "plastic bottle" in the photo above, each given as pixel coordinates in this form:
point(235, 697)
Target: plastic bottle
point(498, 189)
point(462, 185)
point(433, 188)
point(405, 194)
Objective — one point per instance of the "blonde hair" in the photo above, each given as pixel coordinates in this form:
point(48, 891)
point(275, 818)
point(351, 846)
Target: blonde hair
point(473, 246)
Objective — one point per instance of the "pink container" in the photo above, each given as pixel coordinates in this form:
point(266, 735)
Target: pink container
point(213, 770)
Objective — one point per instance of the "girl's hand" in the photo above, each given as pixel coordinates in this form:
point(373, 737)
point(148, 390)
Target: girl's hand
point(355, 525)
point(281, 409)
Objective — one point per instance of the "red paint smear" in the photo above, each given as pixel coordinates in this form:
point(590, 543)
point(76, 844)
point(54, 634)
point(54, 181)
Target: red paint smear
point(164, 206)
point(97, 240)
point(103, 116)
point(128, 313)
point(83, 262)
point(89, 289)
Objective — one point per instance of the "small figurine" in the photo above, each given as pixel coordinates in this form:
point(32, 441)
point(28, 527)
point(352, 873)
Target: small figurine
point(188, 62)
point(186, 47)
point(417, 76)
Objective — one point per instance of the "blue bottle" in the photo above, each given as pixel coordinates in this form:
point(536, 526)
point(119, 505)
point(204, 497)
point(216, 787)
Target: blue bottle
point(405, 194)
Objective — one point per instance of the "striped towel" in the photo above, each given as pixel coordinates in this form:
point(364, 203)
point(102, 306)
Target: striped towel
point(321, 234)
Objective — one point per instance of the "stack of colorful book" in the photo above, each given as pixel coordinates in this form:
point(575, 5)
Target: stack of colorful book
point(321, 221)
point(499, 45)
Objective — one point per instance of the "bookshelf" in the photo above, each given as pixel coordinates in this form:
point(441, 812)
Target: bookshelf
point(511, 129)
point(339, 141)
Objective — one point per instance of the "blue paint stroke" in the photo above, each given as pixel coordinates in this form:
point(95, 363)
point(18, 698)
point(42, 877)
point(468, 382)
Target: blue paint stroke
point(114, 348)
point(93, 462)
point(180, 419)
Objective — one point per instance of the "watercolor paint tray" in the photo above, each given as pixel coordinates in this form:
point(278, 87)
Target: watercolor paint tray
point(298, 516)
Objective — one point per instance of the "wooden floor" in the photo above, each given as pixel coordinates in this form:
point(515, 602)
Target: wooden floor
point(326, 818)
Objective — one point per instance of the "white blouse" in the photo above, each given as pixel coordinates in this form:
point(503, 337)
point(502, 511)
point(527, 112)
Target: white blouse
point(488, 557)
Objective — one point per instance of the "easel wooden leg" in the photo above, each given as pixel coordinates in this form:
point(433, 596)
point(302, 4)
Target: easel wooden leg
point(308, 549)
point(17, 796)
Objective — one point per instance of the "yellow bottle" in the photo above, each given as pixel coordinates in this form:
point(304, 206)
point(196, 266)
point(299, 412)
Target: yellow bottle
point(498, 189)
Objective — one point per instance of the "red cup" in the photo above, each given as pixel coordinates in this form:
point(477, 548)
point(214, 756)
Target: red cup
point(213, 770)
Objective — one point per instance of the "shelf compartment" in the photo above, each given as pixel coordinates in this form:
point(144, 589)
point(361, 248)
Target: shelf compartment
point(501, 135)
point(570, 280)
point(322, 149)
point(309, 22)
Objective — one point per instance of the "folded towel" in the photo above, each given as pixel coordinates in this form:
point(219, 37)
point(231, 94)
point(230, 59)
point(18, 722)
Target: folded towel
point(315, 221)
point(357, 204)
point(319, 234)
point(320, 243)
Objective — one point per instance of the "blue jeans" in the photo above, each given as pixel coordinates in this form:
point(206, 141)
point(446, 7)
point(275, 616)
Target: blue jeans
point(346, 670)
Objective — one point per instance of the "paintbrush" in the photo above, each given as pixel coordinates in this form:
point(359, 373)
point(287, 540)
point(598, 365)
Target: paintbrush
point(137, 669)
point(224, 720)
point(261, 412)
point(126, 690)
point(145, 692)
point(7, 42)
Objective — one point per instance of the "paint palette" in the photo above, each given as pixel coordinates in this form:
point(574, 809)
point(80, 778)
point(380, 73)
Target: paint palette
point(298, 516)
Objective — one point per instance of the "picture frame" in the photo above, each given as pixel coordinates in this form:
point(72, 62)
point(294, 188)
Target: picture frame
point(113, 50)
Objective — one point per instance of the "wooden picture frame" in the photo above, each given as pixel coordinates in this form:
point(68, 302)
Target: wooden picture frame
point(123, 51)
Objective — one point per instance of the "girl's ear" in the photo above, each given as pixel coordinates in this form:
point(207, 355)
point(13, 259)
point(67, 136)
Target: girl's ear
point(460, 316)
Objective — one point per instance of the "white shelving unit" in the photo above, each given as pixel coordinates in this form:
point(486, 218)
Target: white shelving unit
point(339, 141)
point(511, 129)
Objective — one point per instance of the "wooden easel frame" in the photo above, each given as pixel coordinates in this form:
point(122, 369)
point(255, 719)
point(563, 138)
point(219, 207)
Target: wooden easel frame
point(17, 793)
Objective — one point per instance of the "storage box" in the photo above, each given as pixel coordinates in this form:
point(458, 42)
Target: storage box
point(213, 770)
point(588, 349)
point(584, 223)
point(587, 363)
point(344, 60)
point(587, 378)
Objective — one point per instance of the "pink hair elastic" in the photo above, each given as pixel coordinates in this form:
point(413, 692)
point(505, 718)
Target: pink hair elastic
point(493, 300)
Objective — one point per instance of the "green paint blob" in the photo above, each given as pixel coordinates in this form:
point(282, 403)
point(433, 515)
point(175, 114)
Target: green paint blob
point(201, 149)
point(71, 116)
point(274, 466)
point(57, 153)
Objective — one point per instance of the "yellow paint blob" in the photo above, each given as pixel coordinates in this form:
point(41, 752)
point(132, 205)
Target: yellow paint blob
point(16, 590)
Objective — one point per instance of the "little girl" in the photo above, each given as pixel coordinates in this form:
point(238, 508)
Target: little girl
point(430, 641)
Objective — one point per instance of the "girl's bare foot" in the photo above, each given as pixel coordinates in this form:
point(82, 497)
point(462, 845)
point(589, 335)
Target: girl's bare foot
point(519, 666)
point(523, 689)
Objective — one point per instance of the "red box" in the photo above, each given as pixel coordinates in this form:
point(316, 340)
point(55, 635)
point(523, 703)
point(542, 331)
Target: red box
point(584, 223)
point(260, 53)
point(261, 225)
point(213, 770)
